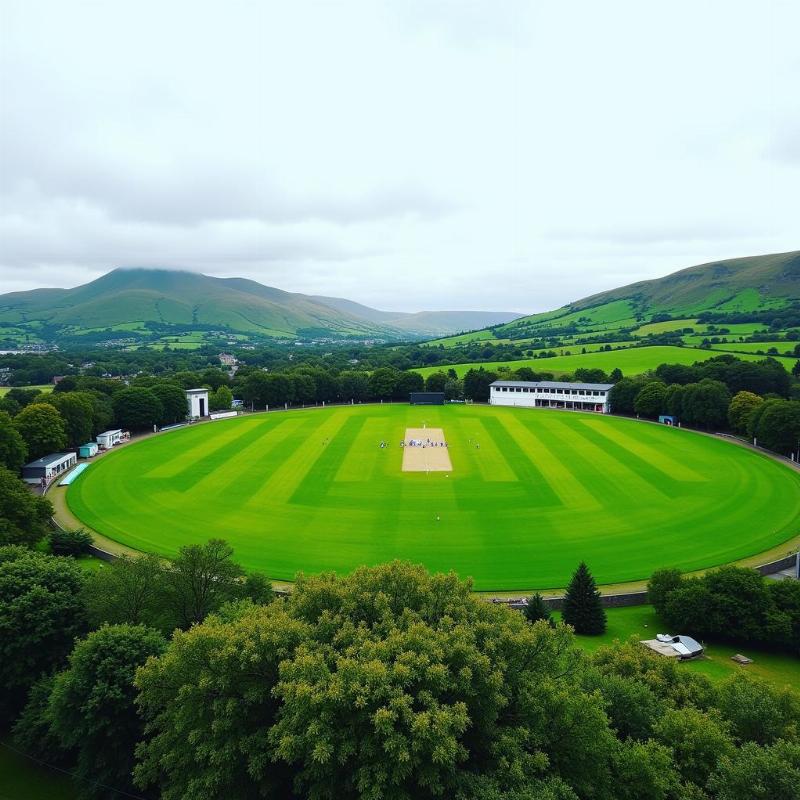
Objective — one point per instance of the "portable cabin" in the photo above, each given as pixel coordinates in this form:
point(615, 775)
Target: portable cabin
point(197, 402)
point(108, 439)
point(48, 467)
point(88, 450)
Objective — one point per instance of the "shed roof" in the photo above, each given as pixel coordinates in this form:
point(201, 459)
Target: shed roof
point(603, 387)
point(197, 391)
point(49, 461)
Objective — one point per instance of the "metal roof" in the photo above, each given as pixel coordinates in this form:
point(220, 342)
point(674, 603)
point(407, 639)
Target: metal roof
point(197, 391)
point(48, 461)
point(603, 387)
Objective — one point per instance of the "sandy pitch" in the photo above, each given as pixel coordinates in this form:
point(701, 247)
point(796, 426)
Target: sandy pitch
point(426, 459)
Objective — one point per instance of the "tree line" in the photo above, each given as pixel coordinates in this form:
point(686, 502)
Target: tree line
point(185, 681)
point(730, 604)
point(753, 399)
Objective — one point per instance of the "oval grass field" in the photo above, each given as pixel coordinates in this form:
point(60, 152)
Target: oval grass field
point(531, 493)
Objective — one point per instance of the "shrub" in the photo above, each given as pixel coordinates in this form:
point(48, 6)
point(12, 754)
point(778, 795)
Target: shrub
point(537, 609)
point(69, 543)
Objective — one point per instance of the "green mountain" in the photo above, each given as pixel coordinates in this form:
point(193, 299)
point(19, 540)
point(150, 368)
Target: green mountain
point(154, 300)
point(737, 287)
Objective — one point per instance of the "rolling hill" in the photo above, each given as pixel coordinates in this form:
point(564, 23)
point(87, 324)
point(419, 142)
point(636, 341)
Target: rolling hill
point(153, 299)
point(730, 288)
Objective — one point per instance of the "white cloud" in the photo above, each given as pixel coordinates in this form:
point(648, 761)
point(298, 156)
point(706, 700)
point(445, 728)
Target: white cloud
point(410, 155)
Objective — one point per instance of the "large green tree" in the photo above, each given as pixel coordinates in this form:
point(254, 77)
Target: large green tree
point(92, 708)
point(137, 408)
point(42, 428)
point(650, 401)
point(778, 427)
point(477, 383)
point(408, 382)
point(741, 408)
point(221, 399)
point(697, 740)
point(758, 773)
point(305, 388)
point(731, 603)
point(23, 515)
point(582, 607)
point(354, 386)
point(129, 590)
point(77, 411)
point(13, 450)
point(758, 712)
point(41, 613)
point(173, 402)
point(706, 404)
point(264, 389)
point(388, 683)
point(383, 382)
point(662, 582)
point(435, 382)
point(623, 395)
point(200, 580)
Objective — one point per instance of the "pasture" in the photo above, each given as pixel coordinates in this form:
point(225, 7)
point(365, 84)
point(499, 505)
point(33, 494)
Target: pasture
point(632, 361)
point(531, 493)
point(45, 387)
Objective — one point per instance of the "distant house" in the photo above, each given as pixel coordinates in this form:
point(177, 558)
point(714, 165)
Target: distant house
point(227, 359)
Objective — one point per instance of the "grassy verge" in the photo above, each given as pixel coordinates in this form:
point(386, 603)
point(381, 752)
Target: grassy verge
point(22, 778)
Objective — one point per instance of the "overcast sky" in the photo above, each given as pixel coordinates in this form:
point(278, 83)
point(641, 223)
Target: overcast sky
point(408, 154)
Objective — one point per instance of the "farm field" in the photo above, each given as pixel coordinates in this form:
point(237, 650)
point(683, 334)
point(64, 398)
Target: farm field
point(783, 347)
point(632, 361)
point(47, 387)
point(530, 494)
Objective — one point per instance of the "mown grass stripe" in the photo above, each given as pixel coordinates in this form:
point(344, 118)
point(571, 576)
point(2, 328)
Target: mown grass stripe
point(663, 482)
point(495, 531)
point(561, 477)
point(538, 488)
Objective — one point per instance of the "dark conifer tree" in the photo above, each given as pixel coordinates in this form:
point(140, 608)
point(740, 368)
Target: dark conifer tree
point(537, 609)
point(582, 607)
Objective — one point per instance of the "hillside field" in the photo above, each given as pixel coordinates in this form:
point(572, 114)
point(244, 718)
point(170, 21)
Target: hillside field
point(632, 361)
point(530, 494)
point(47, 387)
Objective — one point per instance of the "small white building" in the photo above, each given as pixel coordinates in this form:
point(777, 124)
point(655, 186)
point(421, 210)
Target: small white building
point(227, 360)
point(107, 439)
point(197, 401)
point(551, 394)
point(48, 467)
